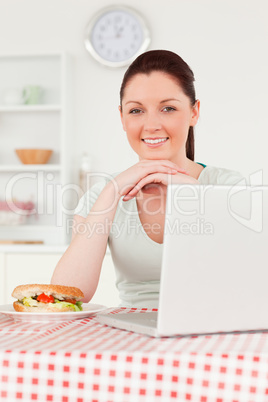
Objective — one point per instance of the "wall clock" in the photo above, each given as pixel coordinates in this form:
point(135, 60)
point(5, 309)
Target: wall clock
point(116, 36)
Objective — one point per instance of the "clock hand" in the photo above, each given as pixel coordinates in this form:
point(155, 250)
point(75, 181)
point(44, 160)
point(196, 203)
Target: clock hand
point(119, 31)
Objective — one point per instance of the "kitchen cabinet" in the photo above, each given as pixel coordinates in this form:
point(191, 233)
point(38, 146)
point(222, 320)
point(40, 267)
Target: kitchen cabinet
point(27, 268)
point(17, 268)
point(47, 124)
point(2, 278)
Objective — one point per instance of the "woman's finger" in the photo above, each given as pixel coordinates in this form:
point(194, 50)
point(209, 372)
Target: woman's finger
point(156, 164)
point(150, 179)
point(127, 180)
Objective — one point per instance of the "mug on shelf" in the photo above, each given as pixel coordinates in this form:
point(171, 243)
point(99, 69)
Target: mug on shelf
point(14, 96)
point(32, 94)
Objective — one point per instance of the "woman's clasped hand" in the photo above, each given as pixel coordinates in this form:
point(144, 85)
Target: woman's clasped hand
point(156, 172)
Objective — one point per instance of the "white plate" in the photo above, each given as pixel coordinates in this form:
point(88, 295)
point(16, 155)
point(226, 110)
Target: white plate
point(88, 310)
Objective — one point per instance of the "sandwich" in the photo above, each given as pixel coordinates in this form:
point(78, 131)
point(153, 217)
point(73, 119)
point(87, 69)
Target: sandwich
point(47, 298)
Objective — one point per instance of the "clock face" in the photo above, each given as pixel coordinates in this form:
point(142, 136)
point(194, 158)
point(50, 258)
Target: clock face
point(116, 36)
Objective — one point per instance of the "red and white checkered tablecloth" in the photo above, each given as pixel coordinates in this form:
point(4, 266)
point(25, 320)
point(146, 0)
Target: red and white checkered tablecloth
point(84, 361)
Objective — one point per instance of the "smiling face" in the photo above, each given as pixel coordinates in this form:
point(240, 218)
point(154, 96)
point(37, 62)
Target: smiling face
point(156, 115)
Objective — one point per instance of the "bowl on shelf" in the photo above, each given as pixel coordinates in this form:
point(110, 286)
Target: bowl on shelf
point(34, 156)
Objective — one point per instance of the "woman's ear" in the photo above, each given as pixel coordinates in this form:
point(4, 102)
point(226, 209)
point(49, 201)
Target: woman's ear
point(195, 113)
point(121, 116)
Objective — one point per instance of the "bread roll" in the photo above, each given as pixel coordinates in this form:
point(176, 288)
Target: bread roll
point(59, 292)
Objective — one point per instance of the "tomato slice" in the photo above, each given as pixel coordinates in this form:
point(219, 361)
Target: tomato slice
point(45, 298)
point(73, 301)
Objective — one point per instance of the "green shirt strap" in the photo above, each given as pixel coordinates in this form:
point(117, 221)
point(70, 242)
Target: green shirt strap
point(202, 164)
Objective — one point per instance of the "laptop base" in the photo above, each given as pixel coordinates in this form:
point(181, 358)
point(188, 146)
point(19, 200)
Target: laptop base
point(143, 323)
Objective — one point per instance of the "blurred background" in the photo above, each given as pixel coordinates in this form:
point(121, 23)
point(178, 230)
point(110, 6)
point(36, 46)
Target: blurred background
point(223, 41)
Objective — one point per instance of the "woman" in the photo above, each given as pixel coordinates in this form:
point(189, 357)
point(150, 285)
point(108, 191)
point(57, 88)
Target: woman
point(158, 111)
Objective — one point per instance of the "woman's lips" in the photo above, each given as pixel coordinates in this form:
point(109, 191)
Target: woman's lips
point(155, 142)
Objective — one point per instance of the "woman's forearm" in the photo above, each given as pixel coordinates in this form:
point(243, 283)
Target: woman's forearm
point(80, 265)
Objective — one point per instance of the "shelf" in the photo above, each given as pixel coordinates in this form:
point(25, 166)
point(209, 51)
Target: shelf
point(26, 234)
point(30, 108)
point(28, 228)
point(32, 248)
point(45, 125)
point(30, 168)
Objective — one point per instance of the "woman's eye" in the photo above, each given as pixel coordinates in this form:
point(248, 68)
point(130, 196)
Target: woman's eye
point(168, 109)
point(135, 111)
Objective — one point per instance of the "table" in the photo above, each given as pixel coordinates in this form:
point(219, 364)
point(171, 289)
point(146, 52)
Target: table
point(82, 360)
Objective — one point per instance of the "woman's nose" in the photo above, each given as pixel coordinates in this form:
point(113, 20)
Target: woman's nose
point(152, 122)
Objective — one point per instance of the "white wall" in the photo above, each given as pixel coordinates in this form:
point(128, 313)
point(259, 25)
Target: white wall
point(224, 41)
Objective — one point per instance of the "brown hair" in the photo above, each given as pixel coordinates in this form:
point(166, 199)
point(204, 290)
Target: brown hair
point(169, 63)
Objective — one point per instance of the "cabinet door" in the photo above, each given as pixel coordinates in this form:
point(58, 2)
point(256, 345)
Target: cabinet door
point(27, 268)
point(2, 278)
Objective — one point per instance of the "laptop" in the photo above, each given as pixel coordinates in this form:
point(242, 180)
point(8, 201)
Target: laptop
point(214, 275)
